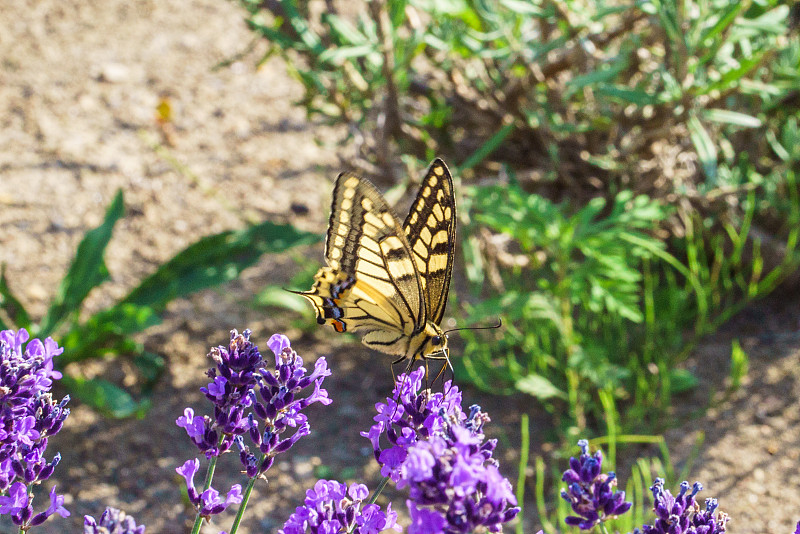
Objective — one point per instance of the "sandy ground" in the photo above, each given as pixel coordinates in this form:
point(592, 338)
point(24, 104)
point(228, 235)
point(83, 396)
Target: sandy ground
point(79, 87)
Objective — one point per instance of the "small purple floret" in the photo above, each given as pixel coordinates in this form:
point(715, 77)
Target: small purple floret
point(207, 503)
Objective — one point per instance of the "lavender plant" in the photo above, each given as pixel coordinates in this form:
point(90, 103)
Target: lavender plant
point(423, 440)
point(592, 496)
point(441, 455)
point(681, 514)
point(590, 492)
point(249, 400)
point(28, 417)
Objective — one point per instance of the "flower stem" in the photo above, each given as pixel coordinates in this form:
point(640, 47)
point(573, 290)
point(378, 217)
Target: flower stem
point(245, 498)
point(603, 528)
point(212, 465)
point(378, 490)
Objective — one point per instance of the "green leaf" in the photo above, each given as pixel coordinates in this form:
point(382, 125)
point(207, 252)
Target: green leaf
point(105, 397)
point(487, 148)
point(626, 95)
point(150, 365)
point(706, 150)
point(310, 39)
point(523, 8)
point(726, 116)
point(343, 30)
point(337, 55)
point(605, 73)
point(13, 307)
point(87, 271)
point(682, 380)
point(214, 260)
point(771, 22)
point(104, 331)
point(725, 19)
point(539, 387)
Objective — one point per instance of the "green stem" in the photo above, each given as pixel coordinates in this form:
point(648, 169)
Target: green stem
point(246, 497)
point(603, 528)
point(212, 466)
point(378, 490)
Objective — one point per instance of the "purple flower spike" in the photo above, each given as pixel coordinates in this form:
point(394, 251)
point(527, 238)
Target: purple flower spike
point(233, 382)
point(415, 417)
point(253, 402)
point(681, 514)
point(591, 492)
point(332, 508)
point(441, 455)
point(29, 416)
point(797, 530)
point(278, 405)
point(112, 521)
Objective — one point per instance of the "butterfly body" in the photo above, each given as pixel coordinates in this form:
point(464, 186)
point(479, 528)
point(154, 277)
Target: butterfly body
point(386, 280)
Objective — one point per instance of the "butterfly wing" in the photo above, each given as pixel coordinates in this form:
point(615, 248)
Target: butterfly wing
point(430, 230)
point(370, 285)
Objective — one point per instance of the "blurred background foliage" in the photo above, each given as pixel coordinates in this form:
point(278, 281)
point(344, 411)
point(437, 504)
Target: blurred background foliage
point(109, 332)
point(627, 172)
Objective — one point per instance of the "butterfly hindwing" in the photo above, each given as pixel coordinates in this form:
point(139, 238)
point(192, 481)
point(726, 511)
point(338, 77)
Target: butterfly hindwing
point(430, 231)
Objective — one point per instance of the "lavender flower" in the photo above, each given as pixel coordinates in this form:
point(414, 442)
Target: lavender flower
point(231, 391)
point(590, 492)
point(112, 521)
point(247, 396)
point(279, 406)
point(797, 530)
point(441, 454)
point(415, 417)
point(332, 508)
point(682, 514)
point(28, 417)
point(207, 503)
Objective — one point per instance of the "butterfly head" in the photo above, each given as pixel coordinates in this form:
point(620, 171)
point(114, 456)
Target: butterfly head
point(435, 340)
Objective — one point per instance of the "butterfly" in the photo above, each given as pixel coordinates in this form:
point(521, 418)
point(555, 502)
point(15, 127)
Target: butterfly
point(384, 280)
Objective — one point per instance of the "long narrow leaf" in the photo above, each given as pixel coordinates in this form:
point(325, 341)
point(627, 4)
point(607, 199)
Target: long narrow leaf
point(103, 332)
point(706, 150)
point(12, 306)
point(213, 260)
point(735, 118)
point(87, 271)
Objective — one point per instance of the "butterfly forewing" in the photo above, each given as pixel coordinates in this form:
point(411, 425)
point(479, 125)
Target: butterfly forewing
point(430, 231)
point(366, 241)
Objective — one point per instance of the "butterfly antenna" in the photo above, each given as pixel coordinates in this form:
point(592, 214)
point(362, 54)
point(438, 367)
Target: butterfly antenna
point(498, 325)
point(448, 364)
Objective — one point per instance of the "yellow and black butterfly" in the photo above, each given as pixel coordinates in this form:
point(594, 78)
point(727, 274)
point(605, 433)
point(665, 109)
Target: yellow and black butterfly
point(388, 281)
